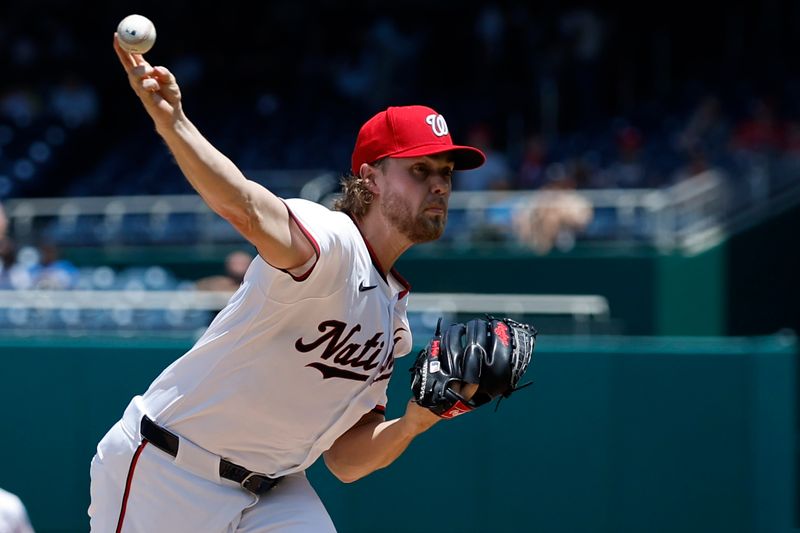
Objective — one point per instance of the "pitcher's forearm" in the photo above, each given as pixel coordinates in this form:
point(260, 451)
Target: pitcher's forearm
point(368, 448)
point(376, 444)
point(255, 212)
point(221, 184)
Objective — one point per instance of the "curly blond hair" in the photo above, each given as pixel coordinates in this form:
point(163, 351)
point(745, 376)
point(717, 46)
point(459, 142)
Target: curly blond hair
point(356, 196)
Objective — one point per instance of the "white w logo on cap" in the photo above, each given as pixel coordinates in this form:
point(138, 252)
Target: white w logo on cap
point(438, 125)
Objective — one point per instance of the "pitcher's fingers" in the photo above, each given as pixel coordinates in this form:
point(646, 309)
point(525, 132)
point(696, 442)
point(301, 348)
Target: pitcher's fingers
point(142, 71)
point(138, 59)
point(164, 75)
point(124, 57)
point(151, 85)
point(128, 59)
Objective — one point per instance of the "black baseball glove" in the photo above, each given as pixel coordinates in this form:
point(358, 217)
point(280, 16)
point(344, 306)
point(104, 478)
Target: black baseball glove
point(490, 353)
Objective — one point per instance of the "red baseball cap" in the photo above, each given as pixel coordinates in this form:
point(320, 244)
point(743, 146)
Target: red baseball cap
point(410, 131)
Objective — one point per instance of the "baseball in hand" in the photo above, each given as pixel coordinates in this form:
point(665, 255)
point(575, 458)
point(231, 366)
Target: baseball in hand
point(136, 34)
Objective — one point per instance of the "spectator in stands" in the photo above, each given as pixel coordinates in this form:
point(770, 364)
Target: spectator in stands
point(74, 101)
point(534, 161)
point(556, 214)
point(8, 256)
point(583, 37)
point(372, 74)
point(13, 516)
point(628, 171)
point(236, 264)
point(3, 222)
point(21, 105)
point(52, 272)
point(756, 141)
point(490, 32)
point(706, 128)
point(762, 131)
point(494, 175)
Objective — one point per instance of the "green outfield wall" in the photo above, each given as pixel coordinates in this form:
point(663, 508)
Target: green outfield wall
point(649, 293)
point(617, 434)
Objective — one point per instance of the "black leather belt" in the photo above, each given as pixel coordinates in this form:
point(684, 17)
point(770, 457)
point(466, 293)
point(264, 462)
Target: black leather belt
point(168, 442)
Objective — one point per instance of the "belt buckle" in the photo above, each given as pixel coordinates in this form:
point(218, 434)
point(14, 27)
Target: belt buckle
point(255, 483)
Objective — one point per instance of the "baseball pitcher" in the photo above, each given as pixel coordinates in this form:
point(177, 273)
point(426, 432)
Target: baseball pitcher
point(296, 366)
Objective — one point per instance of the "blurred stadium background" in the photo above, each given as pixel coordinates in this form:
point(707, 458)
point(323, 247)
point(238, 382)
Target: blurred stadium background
point(640, 206)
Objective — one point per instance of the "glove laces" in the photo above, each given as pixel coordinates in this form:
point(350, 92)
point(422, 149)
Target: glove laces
point(507, 394)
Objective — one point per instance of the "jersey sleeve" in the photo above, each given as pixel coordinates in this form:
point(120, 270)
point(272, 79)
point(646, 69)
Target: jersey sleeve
point(329, 232)
point(302, 272)
point(332, 235)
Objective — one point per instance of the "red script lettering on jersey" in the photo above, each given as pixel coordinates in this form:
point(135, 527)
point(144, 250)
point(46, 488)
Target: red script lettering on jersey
point(342, 353)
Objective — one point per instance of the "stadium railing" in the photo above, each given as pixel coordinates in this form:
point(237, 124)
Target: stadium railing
point(665, 218)
point(182, 312)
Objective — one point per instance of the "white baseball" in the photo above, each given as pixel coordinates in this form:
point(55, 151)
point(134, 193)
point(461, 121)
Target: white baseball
point(137, 34)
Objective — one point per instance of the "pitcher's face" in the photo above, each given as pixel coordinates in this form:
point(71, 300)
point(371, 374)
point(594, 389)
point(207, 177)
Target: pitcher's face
point(415, 195)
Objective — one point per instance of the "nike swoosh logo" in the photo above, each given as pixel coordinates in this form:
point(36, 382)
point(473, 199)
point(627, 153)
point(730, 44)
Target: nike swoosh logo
point(362, 287)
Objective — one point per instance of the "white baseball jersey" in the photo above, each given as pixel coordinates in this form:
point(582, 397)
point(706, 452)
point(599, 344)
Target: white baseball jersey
point(294, 359)
point(13, 516)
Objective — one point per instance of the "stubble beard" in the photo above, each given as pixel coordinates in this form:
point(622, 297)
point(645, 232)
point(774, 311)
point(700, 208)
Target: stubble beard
point(424, 227)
